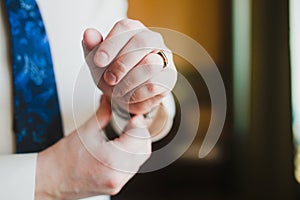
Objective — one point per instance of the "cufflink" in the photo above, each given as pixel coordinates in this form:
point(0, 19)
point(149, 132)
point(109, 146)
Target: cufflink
point(127, 116)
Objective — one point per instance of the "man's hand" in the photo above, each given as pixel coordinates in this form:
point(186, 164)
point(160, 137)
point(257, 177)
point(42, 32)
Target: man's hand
point(86, 164)
point(126, 66)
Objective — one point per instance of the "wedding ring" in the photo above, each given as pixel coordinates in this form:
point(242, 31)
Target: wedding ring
point(164, 57)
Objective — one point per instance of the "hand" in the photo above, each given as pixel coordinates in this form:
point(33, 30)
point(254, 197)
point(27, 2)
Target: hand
point(126, 67)
point(85, 164)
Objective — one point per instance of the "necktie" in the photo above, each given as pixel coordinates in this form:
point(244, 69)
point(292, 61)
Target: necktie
point(37, 120)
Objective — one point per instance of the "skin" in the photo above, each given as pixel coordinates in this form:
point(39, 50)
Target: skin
point(126, 67)
point(73, 173)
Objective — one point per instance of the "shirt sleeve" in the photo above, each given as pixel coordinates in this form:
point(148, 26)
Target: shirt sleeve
point(164, 118)
point(17, 176)
point(98, 198)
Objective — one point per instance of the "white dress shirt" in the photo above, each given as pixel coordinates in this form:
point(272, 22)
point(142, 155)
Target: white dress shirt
point(65, 21)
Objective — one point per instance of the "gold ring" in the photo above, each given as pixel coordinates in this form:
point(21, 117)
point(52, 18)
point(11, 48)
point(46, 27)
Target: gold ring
point(164, 57)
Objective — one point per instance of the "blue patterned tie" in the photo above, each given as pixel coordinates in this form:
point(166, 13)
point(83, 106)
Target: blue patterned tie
point(37, 120)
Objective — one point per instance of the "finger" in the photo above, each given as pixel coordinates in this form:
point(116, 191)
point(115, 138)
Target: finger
point(91, 39)
point(116, 40)
point(136, 138)
point(148, 67)
point(142, 107)
point(164, 80)
point(128, 152)
point(147, 105)
point(101, 118)
point(145, 92)
point(91, 132)
point(140, 45)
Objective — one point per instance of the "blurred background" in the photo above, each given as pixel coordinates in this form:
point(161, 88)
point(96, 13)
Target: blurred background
point(254, 43)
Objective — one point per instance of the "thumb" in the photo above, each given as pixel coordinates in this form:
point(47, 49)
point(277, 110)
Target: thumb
point(91, 39)
point(89, 131)
point(103, 113)
point(128, 152)
point(136, 138)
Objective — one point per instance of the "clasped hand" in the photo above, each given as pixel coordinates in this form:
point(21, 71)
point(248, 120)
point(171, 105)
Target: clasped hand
point(126, 66)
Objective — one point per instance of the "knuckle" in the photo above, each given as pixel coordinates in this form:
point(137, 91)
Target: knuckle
point(157, 36)
point(137, 23)
point(128, 24)
point(124, 24)
point(148, 38)
point(120, 67)
point(134, 97)
point(157, 39)
point(104, 51)
point(150, 88)
point(114, 183)
point(140, 40)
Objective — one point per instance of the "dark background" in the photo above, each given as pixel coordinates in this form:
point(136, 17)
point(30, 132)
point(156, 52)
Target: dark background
point(253, 160)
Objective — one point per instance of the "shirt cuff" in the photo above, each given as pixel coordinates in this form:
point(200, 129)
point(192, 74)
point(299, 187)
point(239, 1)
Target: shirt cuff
point(98, 198)
point(161, 124)
point(17, 176)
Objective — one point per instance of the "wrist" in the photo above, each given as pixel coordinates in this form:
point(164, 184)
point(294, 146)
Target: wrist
point(49, 175)
point(43, 181)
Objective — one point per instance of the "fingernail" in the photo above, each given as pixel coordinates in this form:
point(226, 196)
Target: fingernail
point(102, 58)
point(110, 78)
